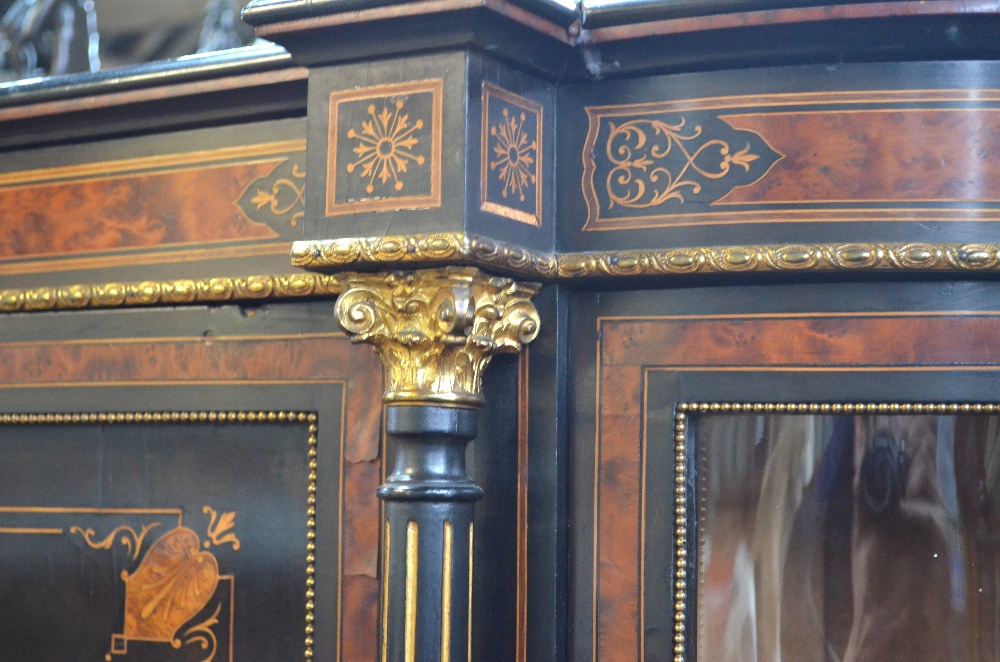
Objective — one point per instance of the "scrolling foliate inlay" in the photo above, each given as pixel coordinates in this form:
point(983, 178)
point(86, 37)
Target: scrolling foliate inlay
point(158, 583)
point(660, 163)
point(437, 329)
point(278, 199)
point(129, 537)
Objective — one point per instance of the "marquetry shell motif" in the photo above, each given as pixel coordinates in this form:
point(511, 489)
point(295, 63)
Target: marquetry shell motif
point(172, 584)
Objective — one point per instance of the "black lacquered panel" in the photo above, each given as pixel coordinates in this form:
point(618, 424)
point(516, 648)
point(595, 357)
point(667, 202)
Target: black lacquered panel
point(154, 540)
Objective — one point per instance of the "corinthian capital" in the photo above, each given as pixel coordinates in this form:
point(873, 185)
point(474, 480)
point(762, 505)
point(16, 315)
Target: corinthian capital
point(437, 329)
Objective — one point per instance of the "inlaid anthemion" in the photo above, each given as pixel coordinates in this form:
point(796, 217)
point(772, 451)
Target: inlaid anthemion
point(279, 198)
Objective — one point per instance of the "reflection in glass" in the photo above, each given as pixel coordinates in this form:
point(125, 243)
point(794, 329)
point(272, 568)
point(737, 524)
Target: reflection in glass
point(848, 538)
point(48, 37)
point(41, 38)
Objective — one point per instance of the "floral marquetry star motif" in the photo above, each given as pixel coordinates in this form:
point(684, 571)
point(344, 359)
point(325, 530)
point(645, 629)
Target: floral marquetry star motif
point(384, 149)
point(385, 146)
point(511, 152)
point(514, 156)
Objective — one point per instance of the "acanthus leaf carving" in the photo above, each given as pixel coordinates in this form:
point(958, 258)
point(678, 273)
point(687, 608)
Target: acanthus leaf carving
point(437, 329)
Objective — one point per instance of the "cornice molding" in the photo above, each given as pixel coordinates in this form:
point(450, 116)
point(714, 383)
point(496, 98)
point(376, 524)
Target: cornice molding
point(269, 16)
point(172, 292)
point(382, 253)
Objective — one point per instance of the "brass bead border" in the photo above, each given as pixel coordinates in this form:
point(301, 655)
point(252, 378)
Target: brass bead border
point(214, 417)
point(680, 522)
point(681, 421)
point(457, 248)
point(173, 292)
point(835, 408)
point(311, 538)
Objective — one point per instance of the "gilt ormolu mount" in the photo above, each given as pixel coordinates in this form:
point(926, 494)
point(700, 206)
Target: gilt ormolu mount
point(435, 331)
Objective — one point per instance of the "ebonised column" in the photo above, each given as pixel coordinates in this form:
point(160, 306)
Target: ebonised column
point(435, 331)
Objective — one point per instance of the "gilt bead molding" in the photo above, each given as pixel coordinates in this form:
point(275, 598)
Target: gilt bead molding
point(322, 259)
point(422, 250)
point(457, 248)
point(437, 329)
point(173, 292)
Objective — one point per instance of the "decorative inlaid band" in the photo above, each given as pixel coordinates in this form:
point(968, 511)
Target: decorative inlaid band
point(151, 293)
point(446, 562)
point(456, 248)
point(385, 591)
point(468, 630)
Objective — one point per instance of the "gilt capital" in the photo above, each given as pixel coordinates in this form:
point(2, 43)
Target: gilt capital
point(437, 329)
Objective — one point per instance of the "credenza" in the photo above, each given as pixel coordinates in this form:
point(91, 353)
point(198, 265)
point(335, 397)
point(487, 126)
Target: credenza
point(519, 331)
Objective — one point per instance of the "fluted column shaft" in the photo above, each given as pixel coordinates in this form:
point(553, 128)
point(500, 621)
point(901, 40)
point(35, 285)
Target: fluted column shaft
point(428, 536)
point(435, 331)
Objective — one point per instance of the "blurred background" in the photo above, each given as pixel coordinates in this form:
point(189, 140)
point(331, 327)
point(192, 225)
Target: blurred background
point(51, 37)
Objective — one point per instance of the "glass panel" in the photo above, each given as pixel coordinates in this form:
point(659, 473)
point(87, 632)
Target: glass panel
point(848, 538)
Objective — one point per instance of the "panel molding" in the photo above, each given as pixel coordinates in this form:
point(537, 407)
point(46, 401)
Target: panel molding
point(324, 259)
point(632, 348)
point(154, 625)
